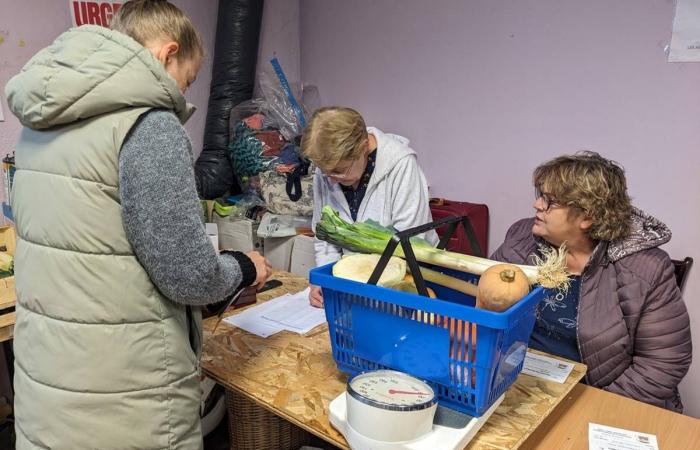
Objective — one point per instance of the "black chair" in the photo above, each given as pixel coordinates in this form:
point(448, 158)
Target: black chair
point(681, 268)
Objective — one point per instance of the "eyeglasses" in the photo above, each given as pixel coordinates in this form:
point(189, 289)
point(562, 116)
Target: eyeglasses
point(548, 201)
point(342, 174)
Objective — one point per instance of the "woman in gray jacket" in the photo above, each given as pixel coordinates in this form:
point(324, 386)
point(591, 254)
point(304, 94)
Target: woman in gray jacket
point(112, 262)
point(623, 315)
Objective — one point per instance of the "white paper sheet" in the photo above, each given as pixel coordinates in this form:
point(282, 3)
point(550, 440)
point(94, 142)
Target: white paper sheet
point(601, 437)
point(253, 324)
point(547, 368)
point(296, 314)
point(2, 117)
point(291, 312)
point(685, 39)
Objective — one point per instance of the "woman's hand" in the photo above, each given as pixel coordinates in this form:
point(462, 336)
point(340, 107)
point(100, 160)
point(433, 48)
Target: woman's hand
point(316, 297)
point(263, 269)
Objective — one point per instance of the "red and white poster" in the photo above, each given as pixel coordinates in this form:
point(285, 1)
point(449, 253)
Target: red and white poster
point(93, 13)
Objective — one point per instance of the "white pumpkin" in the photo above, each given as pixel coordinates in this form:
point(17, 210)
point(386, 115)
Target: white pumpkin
point(359, 267)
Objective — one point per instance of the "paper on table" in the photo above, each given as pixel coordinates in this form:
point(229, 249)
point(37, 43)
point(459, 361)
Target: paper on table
point(547, 368)
point(252, 324)
point(601, 437)
point(287, 312)
point(295, 313)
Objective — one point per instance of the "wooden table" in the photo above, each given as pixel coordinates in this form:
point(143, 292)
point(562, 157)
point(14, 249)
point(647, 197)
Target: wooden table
point(8, 240)
point(296, 378)
point(567, 427)
point(7, 315)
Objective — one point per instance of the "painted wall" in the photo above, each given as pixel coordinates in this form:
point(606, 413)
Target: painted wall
point(203, 14)
point(28, 26)
point(279, 36)
point(487, 89)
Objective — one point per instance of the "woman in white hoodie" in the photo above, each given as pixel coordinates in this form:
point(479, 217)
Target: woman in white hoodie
point(364, 174)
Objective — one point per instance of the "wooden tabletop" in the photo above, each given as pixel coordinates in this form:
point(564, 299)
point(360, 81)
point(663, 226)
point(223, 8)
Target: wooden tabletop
point(295, 377)
point(7, 314)
point(567, 427)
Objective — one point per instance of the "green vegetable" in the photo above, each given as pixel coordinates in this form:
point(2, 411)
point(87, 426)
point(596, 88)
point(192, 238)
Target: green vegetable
point(224, 210)
point(371, 237)
point(7, 265)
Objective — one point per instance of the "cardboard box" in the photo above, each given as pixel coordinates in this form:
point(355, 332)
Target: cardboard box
point(279, 251)
point(213, 233)
point(303, 258)
point(238, 234)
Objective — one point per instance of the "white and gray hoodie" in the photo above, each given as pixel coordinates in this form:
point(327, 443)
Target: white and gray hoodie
point(397, 194)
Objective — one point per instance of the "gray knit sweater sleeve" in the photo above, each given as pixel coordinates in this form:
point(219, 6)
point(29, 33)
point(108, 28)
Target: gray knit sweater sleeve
point(163, 215)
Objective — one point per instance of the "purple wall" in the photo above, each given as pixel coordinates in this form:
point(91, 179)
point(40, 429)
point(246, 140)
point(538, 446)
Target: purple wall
point(488, 89)
point(279, 36)
point(28, 26)
point(203, 13)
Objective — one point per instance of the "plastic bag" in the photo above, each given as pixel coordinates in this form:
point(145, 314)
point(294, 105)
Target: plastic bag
point(240, 206)
point(255, 140)
point(247, 109)
point(247, 152)
point(277, 201)
point(283, 106)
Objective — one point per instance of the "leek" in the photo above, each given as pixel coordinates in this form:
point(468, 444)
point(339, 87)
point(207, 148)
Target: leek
point(371, 237)
point(456, 284)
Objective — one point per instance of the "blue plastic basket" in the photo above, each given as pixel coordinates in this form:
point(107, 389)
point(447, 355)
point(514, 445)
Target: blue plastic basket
point(374, 328)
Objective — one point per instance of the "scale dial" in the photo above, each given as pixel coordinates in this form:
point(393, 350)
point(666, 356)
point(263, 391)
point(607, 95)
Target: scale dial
point(391, 390)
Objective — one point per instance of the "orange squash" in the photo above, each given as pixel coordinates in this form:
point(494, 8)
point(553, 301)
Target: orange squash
point(501, 286)
point(459, 336)
point(459, 339)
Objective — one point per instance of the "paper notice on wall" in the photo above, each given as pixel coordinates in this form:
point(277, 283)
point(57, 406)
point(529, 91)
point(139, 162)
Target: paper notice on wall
point(93, 12)
point(2, 117)
point(685, 40)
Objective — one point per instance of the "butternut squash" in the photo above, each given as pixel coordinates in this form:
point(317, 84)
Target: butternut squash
point(500, 287)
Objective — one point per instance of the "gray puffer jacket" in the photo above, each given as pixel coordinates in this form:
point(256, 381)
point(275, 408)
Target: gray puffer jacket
point(633, 327)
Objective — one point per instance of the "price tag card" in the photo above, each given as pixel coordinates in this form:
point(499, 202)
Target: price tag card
point(601, 437)
point(547, 368)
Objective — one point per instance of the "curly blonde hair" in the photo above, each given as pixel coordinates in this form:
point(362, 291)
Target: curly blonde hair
point(591, 185)
point(144, 20)
point(332, 135)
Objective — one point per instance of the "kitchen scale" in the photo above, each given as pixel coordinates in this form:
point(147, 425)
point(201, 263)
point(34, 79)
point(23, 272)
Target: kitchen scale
point(391, 410)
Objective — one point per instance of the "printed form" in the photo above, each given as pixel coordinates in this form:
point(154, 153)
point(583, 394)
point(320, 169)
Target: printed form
point(601, 437)
point(291, 312)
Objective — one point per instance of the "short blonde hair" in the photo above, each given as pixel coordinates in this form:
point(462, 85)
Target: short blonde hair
point(592, 185)
point(332, 135)
point(145, 20)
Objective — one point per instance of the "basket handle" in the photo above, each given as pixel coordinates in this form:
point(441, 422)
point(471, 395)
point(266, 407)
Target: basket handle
point(468, 229)
point(403, 238)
